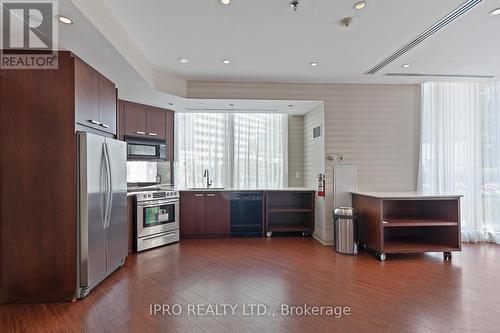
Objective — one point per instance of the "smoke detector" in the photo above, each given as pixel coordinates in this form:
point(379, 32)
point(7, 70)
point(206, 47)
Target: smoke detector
point(347, 22)
point(295, 4)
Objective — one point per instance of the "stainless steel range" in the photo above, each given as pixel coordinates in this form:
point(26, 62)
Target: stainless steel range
point(157, 219)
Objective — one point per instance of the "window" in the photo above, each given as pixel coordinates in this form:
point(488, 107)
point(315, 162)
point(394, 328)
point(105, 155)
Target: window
point(460, 151)
point(241, 150)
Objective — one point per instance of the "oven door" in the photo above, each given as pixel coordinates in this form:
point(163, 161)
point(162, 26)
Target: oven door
point(157, 216)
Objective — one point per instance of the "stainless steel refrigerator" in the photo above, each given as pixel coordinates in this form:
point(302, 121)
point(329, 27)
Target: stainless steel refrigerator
point(103, 230)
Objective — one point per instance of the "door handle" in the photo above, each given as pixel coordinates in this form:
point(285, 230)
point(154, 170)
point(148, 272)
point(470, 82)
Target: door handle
point(211, 195)
point(109, 186)
point(104, 125)
point(152, 134)
point(140, 132)
point(95, 122)
point(198, 195)
point(159, 236)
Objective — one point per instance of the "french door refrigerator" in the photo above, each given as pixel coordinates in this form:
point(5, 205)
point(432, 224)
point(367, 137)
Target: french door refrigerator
point(103, 230)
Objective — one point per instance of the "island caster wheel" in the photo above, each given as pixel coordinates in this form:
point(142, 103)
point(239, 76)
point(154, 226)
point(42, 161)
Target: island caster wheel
point(305, 234)
point(381, 256)
point(447, 255)
point(269, 234)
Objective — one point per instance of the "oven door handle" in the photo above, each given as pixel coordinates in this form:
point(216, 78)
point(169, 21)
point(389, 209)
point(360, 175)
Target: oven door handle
point(170, 234)
point(156, 204)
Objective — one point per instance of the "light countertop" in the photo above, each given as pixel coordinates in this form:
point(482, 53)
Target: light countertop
point(408, 195)
point(284, 189)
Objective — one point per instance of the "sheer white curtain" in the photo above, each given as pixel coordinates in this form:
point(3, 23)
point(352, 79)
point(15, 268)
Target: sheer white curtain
point(460, 152)
point(243, 150)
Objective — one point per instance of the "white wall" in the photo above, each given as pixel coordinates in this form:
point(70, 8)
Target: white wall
point(295, 151)
point(314, 164)
point(374, 126)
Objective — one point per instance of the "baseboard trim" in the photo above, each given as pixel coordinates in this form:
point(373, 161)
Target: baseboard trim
point(325, 243)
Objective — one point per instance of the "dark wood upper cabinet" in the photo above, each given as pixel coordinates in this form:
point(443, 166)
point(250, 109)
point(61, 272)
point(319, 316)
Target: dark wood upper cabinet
point(95, 98)
point(86, 94)
point(134, 119)
point(145, 121)
point(156, 120)
point(192, 207)
point(107, 104)
point(217, 213)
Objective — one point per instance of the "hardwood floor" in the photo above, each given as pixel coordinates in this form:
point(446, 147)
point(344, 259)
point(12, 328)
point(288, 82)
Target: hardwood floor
point(407, 293)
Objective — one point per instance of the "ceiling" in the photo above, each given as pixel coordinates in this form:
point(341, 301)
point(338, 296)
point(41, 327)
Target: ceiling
point(267, 41)
point(137, 43)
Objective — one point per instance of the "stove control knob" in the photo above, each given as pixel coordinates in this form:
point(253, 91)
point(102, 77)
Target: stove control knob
point(144, 195)
point(149, 195)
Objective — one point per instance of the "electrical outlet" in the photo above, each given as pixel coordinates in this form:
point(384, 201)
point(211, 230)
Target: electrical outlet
point(336, 158)
point(297, 174)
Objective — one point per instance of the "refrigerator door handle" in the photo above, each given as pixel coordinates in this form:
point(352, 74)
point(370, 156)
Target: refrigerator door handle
point(104, 184)
point(110, 186)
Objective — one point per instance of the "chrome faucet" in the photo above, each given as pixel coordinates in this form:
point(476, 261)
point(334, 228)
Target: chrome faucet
point(158, 179)
point(206, 173)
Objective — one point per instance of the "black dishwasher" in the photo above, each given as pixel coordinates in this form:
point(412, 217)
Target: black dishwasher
point(246, 214)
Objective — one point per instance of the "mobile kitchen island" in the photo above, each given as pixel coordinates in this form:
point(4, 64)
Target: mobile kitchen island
point(408, 222)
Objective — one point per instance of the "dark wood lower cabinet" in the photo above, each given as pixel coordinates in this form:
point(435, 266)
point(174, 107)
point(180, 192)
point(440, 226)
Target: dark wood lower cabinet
point(204, 214)
point(217, 213)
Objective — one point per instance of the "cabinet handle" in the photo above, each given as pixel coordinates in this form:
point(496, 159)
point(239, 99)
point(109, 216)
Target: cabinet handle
point(140, 132)
point(95, 122)
point(104, 125)
point(211, 195)
point(152, 134)
point(198, 195)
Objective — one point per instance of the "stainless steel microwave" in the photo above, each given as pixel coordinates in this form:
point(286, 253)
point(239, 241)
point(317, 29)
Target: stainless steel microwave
point(139, 149)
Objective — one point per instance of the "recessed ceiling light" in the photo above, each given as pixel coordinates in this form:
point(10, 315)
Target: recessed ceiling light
point(495, 12)
point(64, 19)
point(231, 104)
point(406, 65)
point(226, 61)
point(183, 60)
point(200, 104)
point(170, 103)
point(290, 105)
point(359, 5)
point(225, 2)
point(314, 64)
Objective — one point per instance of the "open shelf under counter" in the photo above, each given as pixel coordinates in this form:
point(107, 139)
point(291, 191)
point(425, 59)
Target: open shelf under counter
point(291, 211)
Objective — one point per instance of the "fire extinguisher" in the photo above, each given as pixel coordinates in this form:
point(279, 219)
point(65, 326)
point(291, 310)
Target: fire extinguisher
point(321, 185)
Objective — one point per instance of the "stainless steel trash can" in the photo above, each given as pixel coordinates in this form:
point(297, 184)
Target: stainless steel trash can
point(344, 230)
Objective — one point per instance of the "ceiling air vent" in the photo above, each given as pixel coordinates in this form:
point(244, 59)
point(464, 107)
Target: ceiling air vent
point(455, 76)
point(464, 8)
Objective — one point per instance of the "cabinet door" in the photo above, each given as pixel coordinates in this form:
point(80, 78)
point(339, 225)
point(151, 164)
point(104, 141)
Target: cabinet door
point(135, 119)
point(170, 135)
point(86, 94)
point(217, 213)
point(156, 120)
point(107, 105)
point(192, 217)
